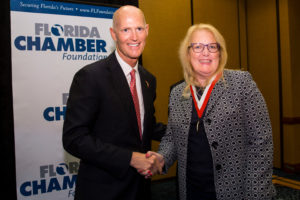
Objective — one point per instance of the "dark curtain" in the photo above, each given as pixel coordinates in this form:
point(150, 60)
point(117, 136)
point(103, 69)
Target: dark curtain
point(6, 104)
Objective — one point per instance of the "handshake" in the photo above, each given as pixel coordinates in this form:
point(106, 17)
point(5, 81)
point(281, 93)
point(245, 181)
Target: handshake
point(147, 164)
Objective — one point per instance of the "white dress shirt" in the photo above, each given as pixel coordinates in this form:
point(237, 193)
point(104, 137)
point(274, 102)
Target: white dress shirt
point(127, 69)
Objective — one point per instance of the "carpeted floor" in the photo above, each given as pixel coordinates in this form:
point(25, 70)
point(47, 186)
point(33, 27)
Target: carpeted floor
point(287, 187)
point(286, 193)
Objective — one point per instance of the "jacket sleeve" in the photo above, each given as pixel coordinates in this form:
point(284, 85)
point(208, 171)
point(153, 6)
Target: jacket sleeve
point(260, 142)
point(167, 147)
point(78, 139)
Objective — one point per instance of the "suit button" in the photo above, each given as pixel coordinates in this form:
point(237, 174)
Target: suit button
point(214, 145)
point(208, 121)
point(218, 167)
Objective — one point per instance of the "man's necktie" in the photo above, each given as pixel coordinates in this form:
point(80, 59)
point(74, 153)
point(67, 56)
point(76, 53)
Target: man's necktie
point(135, 100)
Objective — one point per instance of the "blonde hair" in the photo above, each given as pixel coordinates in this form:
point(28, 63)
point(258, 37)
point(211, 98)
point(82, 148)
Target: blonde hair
point(188, 72)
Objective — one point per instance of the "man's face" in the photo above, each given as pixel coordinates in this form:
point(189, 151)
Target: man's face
point(130, 33)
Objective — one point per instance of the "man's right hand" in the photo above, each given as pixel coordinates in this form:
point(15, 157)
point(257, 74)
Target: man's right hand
point(141, 163)
point(147, 164)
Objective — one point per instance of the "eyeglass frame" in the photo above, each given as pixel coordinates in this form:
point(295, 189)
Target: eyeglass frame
point(205, 45)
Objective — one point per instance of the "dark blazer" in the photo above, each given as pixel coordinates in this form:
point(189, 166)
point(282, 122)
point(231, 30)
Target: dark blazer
point(101, 129)
point(239, 134)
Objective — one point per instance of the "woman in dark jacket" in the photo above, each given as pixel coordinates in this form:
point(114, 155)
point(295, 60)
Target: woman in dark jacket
point(218, 128)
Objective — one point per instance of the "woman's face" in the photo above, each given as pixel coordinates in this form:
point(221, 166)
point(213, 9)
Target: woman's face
point(204, 63)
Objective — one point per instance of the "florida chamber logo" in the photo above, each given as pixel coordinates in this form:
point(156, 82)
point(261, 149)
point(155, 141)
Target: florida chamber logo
point(52, 178)
point(75, 42)
point(56, 113)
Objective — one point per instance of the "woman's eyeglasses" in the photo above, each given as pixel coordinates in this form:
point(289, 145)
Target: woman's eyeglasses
point(199, 47)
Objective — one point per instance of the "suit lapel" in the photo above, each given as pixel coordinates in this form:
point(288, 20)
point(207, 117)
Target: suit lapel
point(216, 94)
point(187, 108)
point(122, 89)
point(186, 113)
point(185, 116)
point(145, 85)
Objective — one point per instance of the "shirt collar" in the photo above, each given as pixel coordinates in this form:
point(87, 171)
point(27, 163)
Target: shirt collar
point(125, 67)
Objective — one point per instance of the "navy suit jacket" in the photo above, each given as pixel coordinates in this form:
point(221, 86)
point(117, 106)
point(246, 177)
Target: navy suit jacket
point(101, 129)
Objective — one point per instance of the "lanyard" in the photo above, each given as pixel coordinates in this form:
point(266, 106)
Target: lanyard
point(201, 103)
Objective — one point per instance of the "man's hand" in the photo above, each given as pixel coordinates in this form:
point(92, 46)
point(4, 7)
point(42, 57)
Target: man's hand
point(159, 163)
point(141, 163)
point(147, 164)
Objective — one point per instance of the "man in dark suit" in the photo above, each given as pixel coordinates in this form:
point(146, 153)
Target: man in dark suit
point(110, 119)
